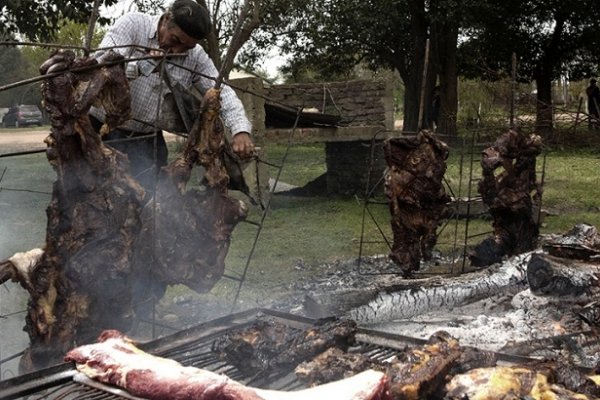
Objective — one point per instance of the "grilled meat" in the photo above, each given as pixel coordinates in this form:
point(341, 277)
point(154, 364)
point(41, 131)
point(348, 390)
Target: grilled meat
point(269, 345)
point(507, 383)
point(81, 286)
point(416, 373)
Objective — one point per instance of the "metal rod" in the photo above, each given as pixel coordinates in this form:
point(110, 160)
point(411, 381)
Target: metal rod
point(266, 210)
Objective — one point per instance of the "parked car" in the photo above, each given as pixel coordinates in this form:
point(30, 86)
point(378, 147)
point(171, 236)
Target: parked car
point(22, 115)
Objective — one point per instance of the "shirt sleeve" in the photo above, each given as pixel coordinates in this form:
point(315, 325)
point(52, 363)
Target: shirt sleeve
point(232, 108)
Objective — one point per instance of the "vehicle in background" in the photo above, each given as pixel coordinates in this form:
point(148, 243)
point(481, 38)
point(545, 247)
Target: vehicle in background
point(22, 115)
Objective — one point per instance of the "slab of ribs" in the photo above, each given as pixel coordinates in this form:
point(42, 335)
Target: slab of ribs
point(102, 235)
point(115, 360)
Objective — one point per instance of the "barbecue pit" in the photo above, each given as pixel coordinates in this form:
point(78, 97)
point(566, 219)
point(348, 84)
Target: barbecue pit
point(192, 347)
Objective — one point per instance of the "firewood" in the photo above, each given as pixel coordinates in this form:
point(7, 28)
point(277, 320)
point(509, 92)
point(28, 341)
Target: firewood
point(553, 276)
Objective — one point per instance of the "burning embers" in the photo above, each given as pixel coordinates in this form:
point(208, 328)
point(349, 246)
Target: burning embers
point(100, 236)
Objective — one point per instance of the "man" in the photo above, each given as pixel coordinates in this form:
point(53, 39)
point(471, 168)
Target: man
point(593, 97)
point(178, 30)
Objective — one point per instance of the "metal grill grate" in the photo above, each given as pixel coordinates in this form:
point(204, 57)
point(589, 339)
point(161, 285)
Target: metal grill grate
point(190, 347)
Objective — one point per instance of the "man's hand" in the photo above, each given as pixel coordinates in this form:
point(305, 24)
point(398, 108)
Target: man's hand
point(242, 145)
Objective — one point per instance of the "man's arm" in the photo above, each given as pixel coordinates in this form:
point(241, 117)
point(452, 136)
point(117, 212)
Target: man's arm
point(232, 109)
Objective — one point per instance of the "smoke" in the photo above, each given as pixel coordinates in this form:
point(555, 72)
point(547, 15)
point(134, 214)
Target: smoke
point(25, 187)
point(13, 302)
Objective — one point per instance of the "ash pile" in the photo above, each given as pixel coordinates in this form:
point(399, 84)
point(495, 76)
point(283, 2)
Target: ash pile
point(541, 304)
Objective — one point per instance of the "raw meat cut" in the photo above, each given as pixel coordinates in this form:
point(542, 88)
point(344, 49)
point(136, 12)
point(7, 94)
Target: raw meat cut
point(117, 361)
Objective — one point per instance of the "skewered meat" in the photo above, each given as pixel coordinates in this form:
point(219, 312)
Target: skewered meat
point(510, 190)
point(417, 198)
point(81, 286)
point(117, 361)
point(269, 345)
point(186, 232)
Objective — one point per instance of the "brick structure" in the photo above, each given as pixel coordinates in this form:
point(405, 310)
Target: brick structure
point(366, 108)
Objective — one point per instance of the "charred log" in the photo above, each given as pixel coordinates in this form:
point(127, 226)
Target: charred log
point(270, 346)
point(512, 196)
point(417, 198)
point(407, 299)
point(552, 276)
point(80, 286)
point(580, 243)
point(178, 219)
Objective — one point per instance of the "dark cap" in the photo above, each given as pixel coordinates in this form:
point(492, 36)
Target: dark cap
point(592, 80)
point(191, 17)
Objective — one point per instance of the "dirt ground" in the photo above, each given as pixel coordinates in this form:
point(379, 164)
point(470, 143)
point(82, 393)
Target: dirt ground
point(23, 139)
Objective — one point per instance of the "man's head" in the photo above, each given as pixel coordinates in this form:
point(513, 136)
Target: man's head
point(592, 81)
point(183, 25)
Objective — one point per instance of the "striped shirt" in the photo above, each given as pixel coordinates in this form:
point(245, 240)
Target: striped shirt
point(141, 30)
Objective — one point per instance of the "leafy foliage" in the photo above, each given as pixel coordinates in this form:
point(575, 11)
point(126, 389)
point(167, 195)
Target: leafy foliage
point(40, 20)
point(562, 36)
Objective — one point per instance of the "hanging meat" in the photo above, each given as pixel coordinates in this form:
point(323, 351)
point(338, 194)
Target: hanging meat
point(510, 190)
point(80, 284)
point(417, 198)
point(186, 232)
point(101, 238)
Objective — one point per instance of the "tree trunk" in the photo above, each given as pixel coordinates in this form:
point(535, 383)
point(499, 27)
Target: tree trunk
point(543, 75)
point(448, 80)
point(412, 96)
point(544, 108)
point(211, 45)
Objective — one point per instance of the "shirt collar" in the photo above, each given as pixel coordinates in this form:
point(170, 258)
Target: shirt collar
point(153, 33)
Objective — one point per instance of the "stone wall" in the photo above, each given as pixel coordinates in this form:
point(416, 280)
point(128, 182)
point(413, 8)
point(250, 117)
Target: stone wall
point(250, 92)
point(366, 103)
point(359, 103)
point(348, 165)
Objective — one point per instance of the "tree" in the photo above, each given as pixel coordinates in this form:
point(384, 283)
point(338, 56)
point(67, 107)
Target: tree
point(40, 20)
point(548, 36)
point(335, 36)
point(13, 68)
